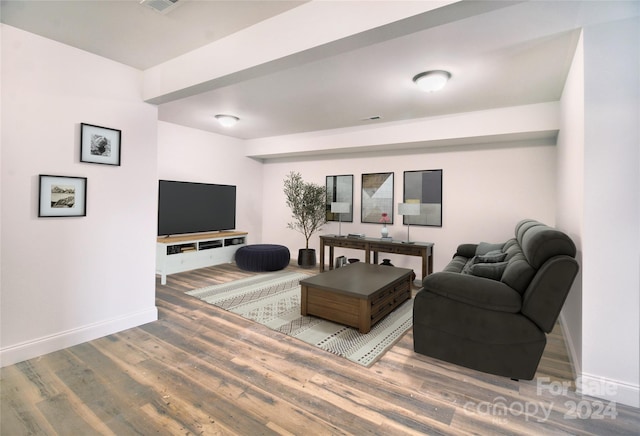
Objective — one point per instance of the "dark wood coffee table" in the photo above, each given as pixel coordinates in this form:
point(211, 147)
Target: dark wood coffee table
point(358, 295)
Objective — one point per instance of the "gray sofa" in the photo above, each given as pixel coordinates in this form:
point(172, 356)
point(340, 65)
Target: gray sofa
point(492, 305)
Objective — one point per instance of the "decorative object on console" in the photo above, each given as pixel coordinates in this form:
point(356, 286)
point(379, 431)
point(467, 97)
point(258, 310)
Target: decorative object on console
point(62, 196)
point(340, 190)
point(341, 261)
point(356, 235)
point(307, 202)
point(384, 219)
point(340, 208)
point(424, 187)
point(377, 197)
point(100, 145)
point(408, 209)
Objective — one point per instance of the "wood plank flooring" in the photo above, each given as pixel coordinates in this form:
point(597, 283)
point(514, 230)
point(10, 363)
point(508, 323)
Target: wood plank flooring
point(200, 370)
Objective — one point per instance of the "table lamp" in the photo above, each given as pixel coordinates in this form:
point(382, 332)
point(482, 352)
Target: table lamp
point(340, 208)
point(408, 209)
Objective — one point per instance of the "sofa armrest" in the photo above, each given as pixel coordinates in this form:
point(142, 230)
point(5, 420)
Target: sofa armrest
point(475, 291)
point(466, 250)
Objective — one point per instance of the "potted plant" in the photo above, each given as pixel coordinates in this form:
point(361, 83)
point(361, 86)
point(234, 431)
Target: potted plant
point(307, 202)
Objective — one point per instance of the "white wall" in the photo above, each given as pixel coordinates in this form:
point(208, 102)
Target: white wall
point(193, 155)
point(69, 280)
point(570, 200)
point(486, 191)
point(611, 254)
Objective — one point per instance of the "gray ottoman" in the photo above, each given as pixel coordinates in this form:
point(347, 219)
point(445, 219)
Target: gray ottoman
point(263, 257)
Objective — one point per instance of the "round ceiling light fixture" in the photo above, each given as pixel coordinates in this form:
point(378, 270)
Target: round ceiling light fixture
point(227, 120)
point(431, 81)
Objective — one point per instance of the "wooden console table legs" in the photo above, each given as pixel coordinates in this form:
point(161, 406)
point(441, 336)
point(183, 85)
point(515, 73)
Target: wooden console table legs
point(369, 245)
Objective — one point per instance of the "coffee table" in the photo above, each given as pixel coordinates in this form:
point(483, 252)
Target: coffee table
point(358, 295)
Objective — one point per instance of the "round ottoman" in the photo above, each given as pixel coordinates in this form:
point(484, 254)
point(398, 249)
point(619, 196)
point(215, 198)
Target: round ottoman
point(262, 257)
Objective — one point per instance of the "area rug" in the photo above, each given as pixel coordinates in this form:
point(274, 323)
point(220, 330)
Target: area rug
point(273, 299)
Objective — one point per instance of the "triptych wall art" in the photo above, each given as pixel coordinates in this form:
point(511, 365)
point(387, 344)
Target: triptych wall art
point(340, 190)
point(425, 188)
point(377, 197)
point(66, 196)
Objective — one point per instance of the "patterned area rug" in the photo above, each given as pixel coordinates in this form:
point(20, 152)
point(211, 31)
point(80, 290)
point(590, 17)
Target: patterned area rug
point(273, 299)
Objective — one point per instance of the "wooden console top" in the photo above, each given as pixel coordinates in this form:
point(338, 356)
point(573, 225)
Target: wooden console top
point(198, 236)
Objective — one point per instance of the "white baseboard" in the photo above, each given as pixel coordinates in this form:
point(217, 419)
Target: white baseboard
point(609, 390)
point(48, 344)
point(569, 341)
point(597, 386)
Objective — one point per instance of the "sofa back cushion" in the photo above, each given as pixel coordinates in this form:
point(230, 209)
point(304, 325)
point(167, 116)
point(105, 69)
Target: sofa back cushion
point(534, 244)
point(518, 273)
point(540, 243)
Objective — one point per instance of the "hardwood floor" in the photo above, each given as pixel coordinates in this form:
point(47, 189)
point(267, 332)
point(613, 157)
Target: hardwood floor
point(202, 370)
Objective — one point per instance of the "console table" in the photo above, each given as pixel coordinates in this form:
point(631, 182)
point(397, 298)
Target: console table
point(375, 246)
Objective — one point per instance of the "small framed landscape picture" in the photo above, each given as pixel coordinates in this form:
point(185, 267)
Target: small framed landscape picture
point(62, 196)
point(99, 145)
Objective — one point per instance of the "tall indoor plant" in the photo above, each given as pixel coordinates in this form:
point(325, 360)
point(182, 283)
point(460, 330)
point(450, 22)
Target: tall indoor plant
point(307, 202)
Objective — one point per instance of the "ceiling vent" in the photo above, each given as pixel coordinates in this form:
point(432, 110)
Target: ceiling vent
point(162, 6)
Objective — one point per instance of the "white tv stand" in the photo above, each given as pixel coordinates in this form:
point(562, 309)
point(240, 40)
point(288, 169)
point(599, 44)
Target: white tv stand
point(176, 254)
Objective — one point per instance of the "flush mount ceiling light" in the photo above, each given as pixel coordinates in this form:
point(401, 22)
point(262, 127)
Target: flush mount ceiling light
point(431, 81)
point(227, 120)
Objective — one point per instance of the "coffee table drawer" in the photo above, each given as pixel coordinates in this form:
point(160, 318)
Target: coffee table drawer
point(338, 308)
point(389, 299)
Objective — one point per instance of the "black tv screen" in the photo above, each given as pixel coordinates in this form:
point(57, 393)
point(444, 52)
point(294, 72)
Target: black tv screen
point(185, 207)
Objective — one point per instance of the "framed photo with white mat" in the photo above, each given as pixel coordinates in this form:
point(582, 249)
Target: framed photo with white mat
point(100, 145)
point(62, 196)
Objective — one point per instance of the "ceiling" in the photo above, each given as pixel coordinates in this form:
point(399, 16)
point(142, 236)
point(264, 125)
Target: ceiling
point(499, 53)
point(134, 34)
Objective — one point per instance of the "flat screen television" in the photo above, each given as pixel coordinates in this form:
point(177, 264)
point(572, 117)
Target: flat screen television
point(185, 207)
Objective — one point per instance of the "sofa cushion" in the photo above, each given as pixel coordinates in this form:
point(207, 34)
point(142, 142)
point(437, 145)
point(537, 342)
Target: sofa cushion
point(512, 248)
point(456, 265)
point(515, 261)
point(523, 226)
point(482, 266)
point(466, 250)
point(475, 291)
point(491, 257)
point(541, 243)
point(486, 247)
point(491, 271)
point(467, 266)
point(518, 273)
